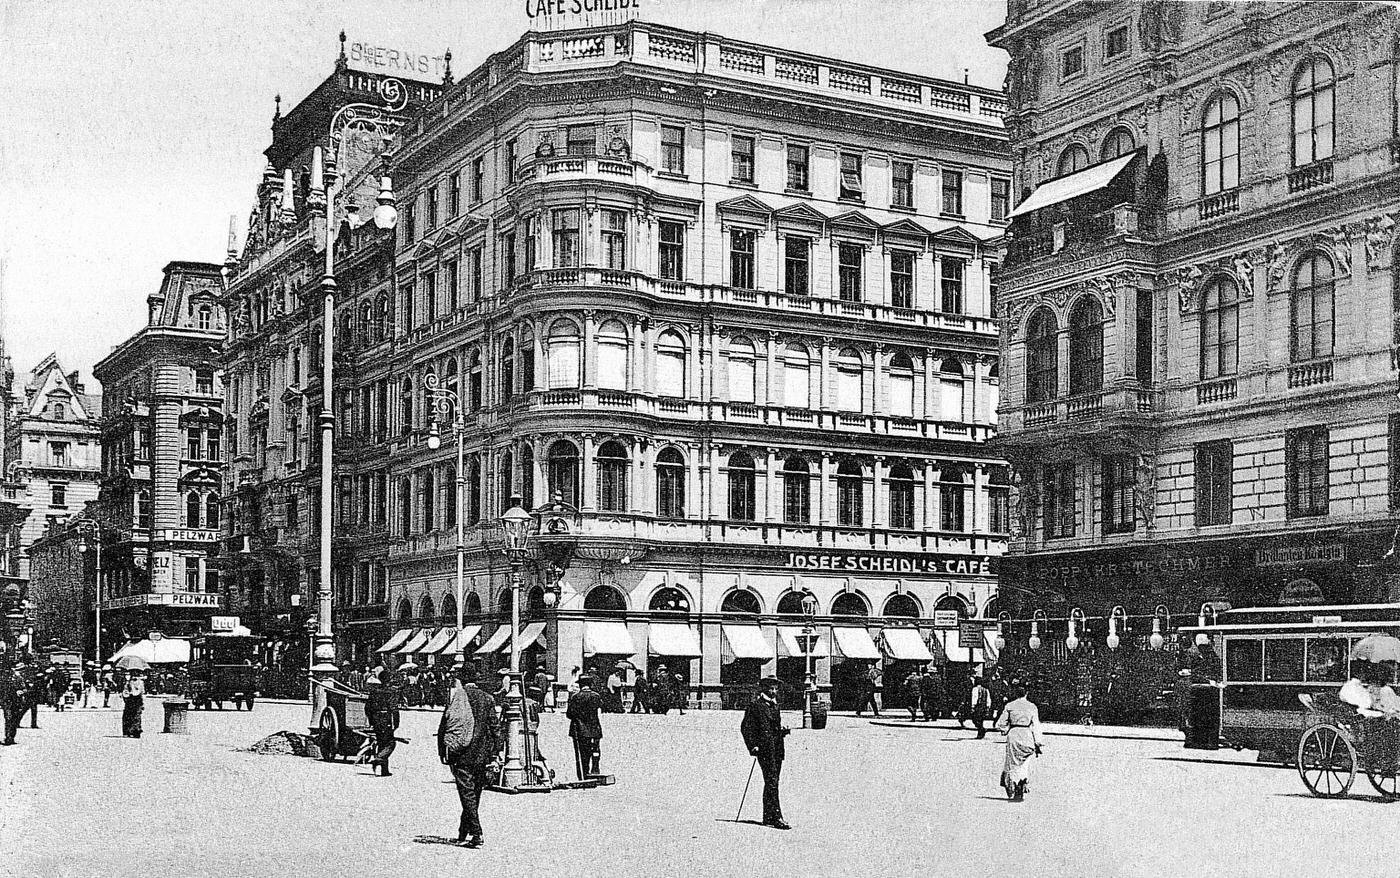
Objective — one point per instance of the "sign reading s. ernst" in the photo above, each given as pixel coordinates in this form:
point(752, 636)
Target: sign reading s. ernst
point(956, 565)
point(369, 58)
point(564, 14)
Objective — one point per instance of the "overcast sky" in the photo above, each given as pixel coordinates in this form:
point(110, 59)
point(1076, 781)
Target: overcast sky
point(136, 127)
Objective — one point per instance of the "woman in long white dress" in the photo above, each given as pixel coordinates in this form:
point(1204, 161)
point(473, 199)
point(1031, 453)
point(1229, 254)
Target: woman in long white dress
point(1020, 720)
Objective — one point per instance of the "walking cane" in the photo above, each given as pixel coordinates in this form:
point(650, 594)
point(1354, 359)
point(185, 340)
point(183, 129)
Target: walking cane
point(746, 790)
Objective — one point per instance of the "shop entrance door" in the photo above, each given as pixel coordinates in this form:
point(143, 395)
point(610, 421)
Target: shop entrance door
point(738, 681)
point(792, 672)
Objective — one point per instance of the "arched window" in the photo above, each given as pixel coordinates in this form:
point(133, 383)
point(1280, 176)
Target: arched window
point(505, 480)
point(1072, 159)
point(1042, 357)
point(381, 330)
point(449, 608)
point(211, 510)
point(562, 354)
point(527, 363)
point(405, 612)
point(507, 370)
point(562, 473)
point(951, 390)
point(741, 600)
point(741, 487)
point(406, 406)
point(1312, 327)
point(612, 477)
point(1220, 144)
point(954, 603)
point(901, 378)
point(366, 321)
point(1220, 328)
point(473, 489)
point(473, 604)
point(534, 600)
point(850, 603)
point(193, 504)
point(405, 508)
point(605, 599)
point(669, 600)
point(670, 484)
point(850, 494)
point(901, 605)
point(1119, 142)
point(1086, 347)
point(426, 609)
point(450, 378)
point(849, 397)
point(527, 477)
point(797, 491)
point(428, 487)
point(901, 494)
point(790, 604)
point(797, 386)
point(474, 379)
point(670, 365)
point(1314, 113)
point(612, 356)
point(504, 602)
point(743, 371)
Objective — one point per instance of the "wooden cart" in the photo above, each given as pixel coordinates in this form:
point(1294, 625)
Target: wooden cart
point(342, 729)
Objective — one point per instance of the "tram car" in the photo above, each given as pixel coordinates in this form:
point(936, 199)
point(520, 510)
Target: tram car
point(221, 669)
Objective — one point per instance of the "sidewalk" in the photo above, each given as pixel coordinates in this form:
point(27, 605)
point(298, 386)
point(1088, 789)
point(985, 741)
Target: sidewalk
point(1067, 730)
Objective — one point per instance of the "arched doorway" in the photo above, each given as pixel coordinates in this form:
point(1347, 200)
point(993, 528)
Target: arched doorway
point(671, 606)
point(739, 676)
point(849, 609)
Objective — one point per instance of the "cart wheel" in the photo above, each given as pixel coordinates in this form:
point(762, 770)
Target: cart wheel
point(1387, 784)
point(1326, 761)
point(329, 739)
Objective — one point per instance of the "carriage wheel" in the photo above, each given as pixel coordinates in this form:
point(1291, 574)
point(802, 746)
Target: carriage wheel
point(329, 738)
point(1326, 761)
point(1387, 783)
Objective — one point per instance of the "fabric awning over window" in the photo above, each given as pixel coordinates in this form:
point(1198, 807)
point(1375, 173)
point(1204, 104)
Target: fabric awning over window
point(607, 638)
point(855, 643)
point(496, 641)
point(440, 638)
point(416, 643)
point(462, 639)
point(399, 639)
point(952, 649)
point(906, 644)
point(747, 642)
point(1091, 179)
point(530, 633)
point(669, 638)
point(790, 643)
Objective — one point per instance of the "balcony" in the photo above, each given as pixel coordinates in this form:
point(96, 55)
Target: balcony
point(1219, 390)
point(1220, 204)
point(1075, 236)
point(1310, 374)
point(1310, 176)
point(1124, 406)
point(562, 168)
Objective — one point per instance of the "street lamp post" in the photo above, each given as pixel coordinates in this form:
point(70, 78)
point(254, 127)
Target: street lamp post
point(326, 185)
point(91, 530)
point(520, 771)
point(809, 645)
point(447, 400)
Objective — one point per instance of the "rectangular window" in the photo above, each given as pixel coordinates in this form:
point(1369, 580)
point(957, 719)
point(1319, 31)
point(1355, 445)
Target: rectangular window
point(999, 510)
point(410, 224)
point(902, 184)
point(508, 258)
point(1119, 481)
point(741, 159)
point(1306, 461)
point(1072, 62)
point(796, 256)
point(993, 289)
point(852, 186)
point(454, 289)
point(672, 250)
point(1001, 198)
point(901, 279)
point(478, 179)
point(212, 451)
point(531, 248)
point(673, 149)
point(951, 512)
point(454, 194)
point(798, 176)
point(431, 220)
point(952, 192)
point(408, 303)
point(583, 139)
point(1215, 483)
point(566, 253)
point(614, 234)
point(1059, 501)
point(1117, 42)
point(851, 259)
point(204, 382)
point(510, 160)
point(58, 495)
point(58, 453)
point(478, 277)
point(1144, 336)
point(951, 285)
point(741, 258)
point(1244, 661)
point(192, 443)
point(1394, 457)
point(430, 296)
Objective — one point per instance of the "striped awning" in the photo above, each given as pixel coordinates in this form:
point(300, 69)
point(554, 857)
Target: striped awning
point(790, 643)
point(855, 643)
point(494, 643)
point(416, 643)
point(607, 638)
point(461, 641)
point(440, 638)
point(530, 634)
point(399, 639)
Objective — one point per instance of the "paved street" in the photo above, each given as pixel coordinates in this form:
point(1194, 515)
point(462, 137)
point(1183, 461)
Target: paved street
point(865, 799)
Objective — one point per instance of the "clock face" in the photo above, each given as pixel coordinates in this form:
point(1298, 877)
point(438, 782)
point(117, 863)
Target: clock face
point(394, 93)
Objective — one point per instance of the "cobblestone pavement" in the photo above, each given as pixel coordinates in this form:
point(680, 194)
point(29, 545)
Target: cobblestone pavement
point(76, 799)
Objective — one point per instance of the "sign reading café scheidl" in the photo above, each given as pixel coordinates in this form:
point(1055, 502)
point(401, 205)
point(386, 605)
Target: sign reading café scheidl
point(857, 562)
point(567, 14)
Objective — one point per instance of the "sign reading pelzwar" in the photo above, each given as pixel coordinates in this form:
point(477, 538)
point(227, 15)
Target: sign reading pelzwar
point(392, 61)
point(567, 14)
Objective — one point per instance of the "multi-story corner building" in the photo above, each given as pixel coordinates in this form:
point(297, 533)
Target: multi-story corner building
point(53, 451)
point(733, 303)
point(62, 578)
point(1199, 340)
point(272, 363)
point(162, 463)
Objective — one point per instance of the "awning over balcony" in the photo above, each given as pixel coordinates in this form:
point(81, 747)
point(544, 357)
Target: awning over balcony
point(790, 643)
point(399, 639)
point(607, 638)
point(855, 643)
point(747, 642)
point(669, 638)
point(416, 643)
point(1090, 179)
point(906, 644)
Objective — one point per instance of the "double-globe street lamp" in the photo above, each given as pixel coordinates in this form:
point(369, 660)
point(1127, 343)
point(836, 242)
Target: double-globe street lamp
point(522, 770)
point(90, 538)
point(448, 401)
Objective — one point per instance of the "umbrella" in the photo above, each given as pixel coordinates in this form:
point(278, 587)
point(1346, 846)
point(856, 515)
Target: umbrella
point(133, 663)
point(625, 665)
point(408, 665)
point(1377, 648)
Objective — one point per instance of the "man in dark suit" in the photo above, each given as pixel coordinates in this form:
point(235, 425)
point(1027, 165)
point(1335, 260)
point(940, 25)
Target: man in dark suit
point(585, 727)
point(763, 733)
point(13, 695)
point(469, 741)
point(931, 695)
point(382, 710)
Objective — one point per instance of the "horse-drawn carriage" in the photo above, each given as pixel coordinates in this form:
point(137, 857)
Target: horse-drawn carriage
point(1340, 740)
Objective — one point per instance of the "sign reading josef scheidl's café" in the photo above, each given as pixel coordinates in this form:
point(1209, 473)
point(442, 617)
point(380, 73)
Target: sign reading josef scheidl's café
point(565, 14)
point(857, 562)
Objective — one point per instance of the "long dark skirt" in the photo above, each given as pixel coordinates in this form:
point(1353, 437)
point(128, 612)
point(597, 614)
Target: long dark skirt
point(131, 716)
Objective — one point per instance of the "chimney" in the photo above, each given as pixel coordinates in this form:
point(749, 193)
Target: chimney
point(74, 382)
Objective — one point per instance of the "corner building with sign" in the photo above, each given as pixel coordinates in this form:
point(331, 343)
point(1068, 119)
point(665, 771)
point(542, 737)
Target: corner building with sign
point(1201, 317)
point(736, 305)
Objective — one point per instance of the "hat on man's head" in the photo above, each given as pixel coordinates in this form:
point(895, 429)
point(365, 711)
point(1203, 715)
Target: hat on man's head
point(586, 680)
point(769, 682)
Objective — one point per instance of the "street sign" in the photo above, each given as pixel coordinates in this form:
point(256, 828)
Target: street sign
point(945, 618)
point(970, 635)
point(223, 623)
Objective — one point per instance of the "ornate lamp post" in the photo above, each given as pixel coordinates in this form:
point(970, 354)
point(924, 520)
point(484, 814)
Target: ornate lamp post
point(90, 537)
point(809, 645)
point(448, 401)
point(520, 771)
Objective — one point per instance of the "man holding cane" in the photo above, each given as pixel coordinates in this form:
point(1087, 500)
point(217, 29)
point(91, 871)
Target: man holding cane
point(763, 733)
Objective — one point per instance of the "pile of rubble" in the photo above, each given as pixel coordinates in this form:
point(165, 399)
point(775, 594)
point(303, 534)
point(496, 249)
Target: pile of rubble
point(286, 744)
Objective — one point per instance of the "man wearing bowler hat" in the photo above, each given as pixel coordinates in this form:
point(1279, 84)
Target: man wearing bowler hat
point(469, 739)
point(763, 733)
point(585, 727)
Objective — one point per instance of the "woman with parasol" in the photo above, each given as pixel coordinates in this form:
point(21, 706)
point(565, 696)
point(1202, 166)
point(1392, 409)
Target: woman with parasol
point(1373, 670)
point(133, 693)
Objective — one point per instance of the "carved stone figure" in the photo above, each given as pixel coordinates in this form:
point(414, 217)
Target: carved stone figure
point(1278, 264)
point(1380, 240)
point(1339, 241)
point(1188, 279)
point(1243, 269)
